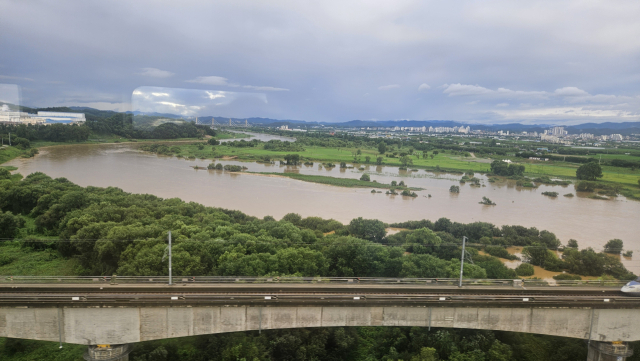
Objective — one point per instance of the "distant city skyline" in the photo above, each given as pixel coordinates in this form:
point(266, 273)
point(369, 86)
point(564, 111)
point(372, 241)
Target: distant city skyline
point(542, 62)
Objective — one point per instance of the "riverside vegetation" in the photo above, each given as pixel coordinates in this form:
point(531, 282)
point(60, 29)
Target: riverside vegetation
point(619, 176)
point(54, 227)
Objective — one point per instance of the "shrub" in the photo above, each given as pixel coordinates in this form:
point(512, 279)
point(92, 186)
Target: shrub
point(550, 194)
point(614, 246)
point(567, 277)
point(487, 202)
point(409, 193)
point(365, 177)
point(524, 269)
point(454, 189)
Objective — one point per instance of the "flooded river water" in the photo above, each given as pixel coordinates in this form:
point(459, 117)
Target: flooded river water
point(591, 222)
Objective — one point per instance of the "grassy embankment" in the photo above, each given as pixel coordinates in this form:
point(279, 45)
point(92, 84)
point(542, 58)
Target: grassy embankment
point(340, 182)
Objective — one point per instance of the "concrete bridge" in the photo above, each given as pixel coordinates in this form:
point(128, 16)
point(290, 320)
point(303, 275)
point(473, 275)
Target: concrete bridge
point(106, 313)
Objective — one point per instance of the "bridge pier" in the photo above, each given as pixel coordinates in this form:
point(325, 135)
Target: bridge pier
point(108, 352)
point(609, 351)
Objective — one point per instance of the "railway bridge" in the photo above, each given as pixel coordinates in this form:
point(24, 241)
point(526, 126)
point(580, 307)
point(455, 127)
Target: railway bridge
point(110, 314)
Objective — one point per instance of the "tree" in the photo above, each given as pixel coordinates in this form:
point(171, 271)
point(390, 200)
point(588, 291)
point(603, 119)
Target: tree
point(405, 160)
point(454, 189)
point(4, 173)
point(614, 246)
point(589, 171)
point(499, 352)
point(380, 159)
point(292, 159)
point(572, 243)
point(367, 159)
point(424, 236)
point(365, 177)
point(382, 147)
point(213, 141)
point(426, 354)
point(9, 224)
point(535, 254)
point(369, 229)
point(524, 269)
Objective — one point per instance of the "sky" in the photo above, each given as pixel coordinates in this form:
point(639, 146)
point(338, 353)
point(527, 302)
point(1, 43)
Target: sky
point(489, 62)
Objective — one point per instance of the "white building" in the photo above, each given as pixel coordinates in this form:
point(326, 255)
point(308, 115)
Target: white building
point(41, 118)
point(59, 117)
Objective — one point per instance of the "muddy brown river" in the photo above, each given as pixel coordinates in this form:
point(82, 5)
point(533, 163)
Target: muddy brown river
point(591, 222)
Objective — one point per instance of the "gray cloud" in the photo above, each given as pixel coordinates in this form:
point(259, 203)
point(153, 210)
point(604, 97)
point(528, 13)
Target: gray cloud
point(389, 87)
point(317, 59)
point(155, 73)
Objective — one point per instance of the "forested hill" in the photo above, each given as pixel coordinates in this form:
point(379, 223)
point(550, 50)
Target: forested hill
point(102, 124)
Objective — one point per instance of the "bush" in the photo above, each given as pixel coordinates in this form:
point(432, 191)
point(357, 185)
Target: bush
point(9, 224)
point(409, 193)
point(232, 168)
point(454, 189)
point(567, 277)
point(487, 202)
point(365, 177)
point(213, 141)
point(4, 173)
point(524, 269)
point(586, 186)
point(614, 246)
point(5, 259)
point(550, 194)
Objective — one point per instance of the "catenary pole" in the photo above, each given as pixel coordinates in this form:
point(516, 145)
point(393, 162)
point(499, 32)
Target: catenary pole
point(170, 279)
point(464, 239)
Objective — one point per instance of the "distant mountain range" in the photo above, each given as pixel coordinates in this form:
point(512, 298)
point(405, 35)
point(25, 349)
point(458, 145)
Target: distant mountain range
point(624, 128)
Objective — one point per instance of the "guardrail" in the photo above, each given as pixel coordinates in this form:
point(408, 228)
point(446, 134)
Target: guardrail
point(305, 280)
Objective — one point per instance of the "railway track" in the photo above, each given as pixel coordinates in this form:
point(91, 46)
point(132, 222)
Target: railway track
point(327, 295)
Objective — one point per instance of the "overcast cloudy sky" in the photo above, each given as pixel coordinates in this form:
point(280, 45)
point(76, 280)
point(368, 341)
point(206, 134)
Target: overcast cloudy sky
point(560, 62)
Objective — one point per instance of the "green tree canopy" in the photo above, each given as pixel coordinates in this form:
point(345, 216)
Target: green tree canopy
point(369, 229)
point(382, 147)
point(589, 171)
point(614, 246)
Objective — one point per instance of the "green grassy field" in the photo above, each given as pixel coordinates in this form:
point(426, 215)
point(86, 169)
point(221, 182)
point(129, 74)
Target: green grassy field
point(340, 182)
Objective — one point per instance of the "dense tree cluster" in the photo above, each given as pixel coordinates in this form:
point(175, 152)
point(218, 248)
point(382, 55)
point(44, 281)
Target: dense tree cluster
point(499, 167)
point(335, 344)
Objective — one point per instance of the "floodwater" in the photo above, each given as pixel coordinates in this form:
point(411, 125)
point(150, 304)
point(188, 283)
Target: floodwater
point(591, 222)
point(259, 136)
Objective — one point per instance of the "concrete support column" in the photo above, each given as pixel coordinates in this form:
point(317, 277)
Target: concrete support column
point(108, 352)
point(609, 351)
